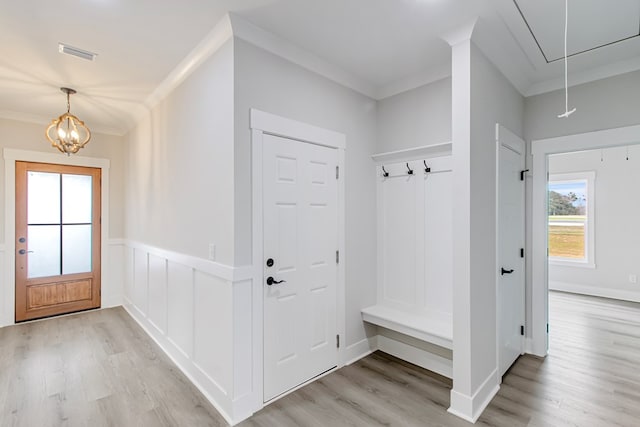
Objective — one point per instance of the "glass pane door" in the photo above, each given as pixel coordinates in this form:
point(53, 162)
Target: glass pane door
point(59, 223)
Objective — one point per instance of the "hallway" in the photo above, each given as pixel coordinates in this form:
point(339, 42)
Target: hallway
point(100, 369)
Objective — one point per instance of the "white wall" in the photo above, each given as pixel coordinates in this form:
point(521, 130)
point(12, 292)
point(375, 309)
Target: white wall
point(418, 117)
point(617, 231)
point(275, 85)
point(482, 97)
point(179, 166)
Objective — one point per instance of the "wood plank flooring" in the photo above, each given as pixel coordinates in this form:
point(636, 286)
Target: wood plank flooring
point(100, 369)
point(591, 378)
point(93, 369)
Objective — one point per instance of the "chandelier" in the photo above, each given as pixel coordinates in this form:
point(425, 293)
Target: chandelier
point(68, 133)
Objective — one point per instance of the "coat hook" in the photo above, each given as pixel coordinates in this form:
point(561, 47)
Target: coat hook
point(409, 170)
point(384, 172)
point(427, 169)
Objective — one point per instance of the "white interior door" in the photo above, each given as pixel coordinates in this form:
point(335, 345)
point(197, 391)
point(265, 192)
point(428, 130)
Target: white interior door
point(300, 197)
point(511, 230)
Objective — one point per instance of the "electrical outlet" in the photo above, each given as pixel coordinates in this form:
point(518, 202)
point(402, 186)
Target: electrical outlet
point(633, 278)
point(212, 251)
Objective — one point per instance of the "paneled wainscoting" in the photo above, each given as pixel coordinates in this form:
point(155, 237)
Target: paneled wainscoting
point(199, 313)
point(5, 301)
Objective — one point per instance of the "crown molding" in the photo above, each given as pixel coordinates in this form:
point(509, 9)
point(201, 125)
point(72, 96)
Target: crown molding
point(209, 45)
point(279, 46)
point(461, 33)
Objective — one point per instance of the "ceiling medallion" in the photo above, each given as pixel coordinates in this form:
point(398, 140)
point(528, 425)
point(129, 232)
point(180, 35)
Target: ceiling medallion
point(68, 133)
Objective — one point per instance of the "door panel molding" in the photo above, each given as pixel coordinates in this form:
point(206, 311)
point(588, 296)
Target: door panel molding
point(7, 284)
point(265, 123)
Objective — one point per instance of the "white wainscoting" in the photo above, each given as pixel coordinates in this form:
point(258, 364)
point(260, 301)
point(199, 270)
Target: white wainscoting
point(4, 301)
point(199, 312)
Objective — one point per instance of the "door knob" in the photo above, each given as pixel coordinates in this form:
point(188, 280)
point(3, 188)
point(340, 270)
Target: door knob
point(271, 281)
point(23, 251)
point(503, 271)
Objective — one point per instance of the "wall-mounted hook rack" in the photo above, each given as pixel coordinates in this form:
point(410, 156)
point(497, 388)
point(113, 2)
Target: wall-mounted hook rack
point(409, 170)
point(384, 172)
point(427, 169)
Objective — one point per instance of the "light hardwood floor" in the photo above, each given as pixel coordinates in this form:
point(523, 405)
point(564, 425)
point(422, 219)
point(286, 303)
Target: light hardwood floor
point(93, 369)
point(99, 368)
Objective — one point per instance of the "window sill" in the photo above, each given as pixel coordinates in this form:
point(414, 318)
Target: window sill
point(578, 264)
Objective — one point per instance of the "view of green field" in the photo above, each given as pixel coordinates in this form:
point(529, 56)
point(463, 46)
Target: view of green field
point(566, 241)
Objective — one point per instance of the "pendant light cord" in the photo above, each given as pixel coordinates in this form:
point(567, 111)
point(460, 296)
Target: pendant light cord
point(566, 113)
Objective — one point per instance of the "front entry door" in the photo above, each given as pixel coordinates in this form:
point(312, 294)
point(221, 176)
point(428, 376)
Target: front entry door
point(57, 239)
point(300, 197)
point(511, 282)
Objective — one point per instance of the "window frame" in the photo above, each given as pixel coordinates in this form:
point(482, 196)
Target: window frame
point(589, 227)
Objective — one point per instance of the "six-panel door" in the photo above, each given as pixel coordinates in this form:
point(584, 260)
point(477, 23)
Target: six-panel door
point(301, 238)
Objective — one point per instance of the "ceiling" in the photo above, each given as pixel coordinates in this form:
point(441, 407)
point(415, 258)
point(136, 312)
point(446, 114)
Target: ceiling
point(385, 45)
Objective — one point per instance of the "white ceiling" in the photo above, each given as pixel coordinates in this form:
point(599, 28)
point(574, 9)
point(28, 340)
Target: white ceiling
point(386, 45)
point(587, 24)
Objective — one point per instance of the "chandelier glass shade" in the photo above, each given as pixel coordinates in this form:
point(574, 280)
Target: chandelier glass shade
point(68, 133)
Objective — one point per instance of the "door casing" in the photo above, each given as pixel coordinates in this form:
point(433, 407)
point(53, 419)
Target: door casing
point(538, 342)
point(7, 285)
point(266, 123)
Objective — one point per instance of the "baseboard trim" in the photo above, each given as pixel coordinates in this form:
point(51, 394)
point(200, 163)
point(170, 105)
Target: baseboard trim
point(469, 408)
point(359, 350)
point(180, 361)
point(576, 288)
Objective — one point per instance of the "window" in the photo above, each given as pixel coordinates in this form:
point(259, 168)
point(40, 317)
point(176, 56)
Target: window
point(571, 219)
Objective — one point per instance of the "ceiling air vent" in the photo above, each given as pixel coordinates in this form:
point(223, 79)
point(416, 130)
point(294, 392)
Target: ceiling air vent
point(80, 53)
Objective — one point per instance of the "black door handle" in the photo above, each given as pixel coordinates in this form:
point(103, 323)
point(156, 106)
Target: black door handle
point(503, 271)
point(271, 281)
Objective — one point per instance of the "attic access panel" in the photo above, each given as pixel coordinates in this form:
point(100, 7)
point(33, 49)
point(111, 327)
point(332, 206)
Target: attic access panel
point(593, 24)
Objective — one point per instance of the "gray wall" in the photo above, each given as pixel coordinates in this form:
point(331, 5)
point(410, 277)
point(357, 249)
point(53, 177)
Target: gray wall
point(602, 104)
point(275, 85)
point(418, 117)
point(179, 166)
point(493, 100)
